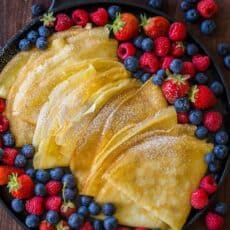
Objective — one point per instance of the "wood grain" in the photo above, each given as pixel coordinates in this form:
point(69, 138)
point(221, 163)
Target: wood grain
point(14, 14)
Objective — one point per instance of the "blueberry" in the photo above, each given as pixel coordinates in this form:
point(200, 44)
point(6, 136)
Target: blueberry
point(223, 49)
point(147, 44)
point(1, 153)
point(97, 225)
point(209, 158)
point(8, 139)
point(56, 173)
point(145, 77)
point(32, 221)
point(221, 208)
point(191, 1)
point(131, 64)
point(30, 172)
point(208, 27)
point(214, 166)
point(158, 79)
point(24, 45)
point(52, 217)
point(108, 209)
point(41, 43)
point(182, 104)
point(75, 220)
point(40, 190)
point(161, 73)
point(220, 151)
point(110, 223)
point(221, 137)
point(85, 200)
point(83, 210)
point(156, 4)
point(185, 5)
point(94, 208)
point(37, 9)
point(113, 11)
point(201, 78)
point(176, 66)
point(69, 180)
point(17, 205)
point(70, 194)
point(192, 15)
point(217, 88)
point(44, 31)
point(20, 161)
point(227, 61)
point(32, 36)
point(138, 41)
point(201, 132)
point(192, 49)
point(138, 74)
point(42, 176)
point(195, 117)
point(28, 151)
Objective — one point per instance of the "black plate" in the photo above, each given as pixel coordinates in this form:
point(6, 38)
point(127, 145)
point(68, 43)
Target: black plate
point(137, 7)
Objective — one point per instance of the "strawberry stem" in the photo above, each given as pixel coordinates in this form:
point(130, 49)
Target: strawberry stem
point(63, 192)
point(144, 20)
point(13, 183)
point(192, 93)
point(48, 19)
point(117, 25)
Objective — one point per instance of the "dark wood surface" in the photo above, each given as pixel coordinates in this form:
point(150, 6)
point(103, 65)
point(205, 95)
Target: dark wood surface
point(15, 13)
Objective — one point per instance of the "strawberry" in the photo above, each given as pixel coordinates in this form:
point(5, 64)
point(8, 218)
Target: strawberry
point(4, 123)
point(9, 156)
point(45, 225)
point(199, 199)
point(125, 50)
point(166, 62)
point(53, 203)
point(63, 22)
point(188, 69)
point(213, 121)
point(209, 184)
point(6, 171)
point(53, 187)
point(207, 8)
point(21, 187)
point(162, 46)
point(35, 206)
point(80, 17)
point(100, 17)
point(182, 117)
point(177, 31)
point(2, 105)
point(177, 49)
point(202, 97)
point(155, 27)
point(86, 226)
point(149, 62)
point(174, 87)
point(125, 26)
point(201, 62)
point(63, 225)
point(214, 221)
point(67, 209)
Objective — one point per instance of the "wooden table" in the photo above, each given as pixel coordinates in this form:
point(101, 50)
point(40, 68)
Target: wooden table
point(14, 14)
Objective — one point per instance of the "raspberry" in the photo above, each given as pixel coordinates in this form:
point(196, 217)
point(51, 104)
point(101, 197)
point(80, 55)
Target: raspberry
point(53, 203)
point(166, 62)
point(207, 8)
point(214, 221)
point(199, 199)
point(149, 62)
point(35, 206)
point(80, 17)
point(213, 121)
point(2, 105)
point(188, 69)
point(9, 156)
point(201, 62)
point(182, 117)
point(53, 187)
point(100, 17)
point(162, 46)
point(177, 31)
point(63, 22)
point(125, 50)
point(209, 184)
point(4, 123)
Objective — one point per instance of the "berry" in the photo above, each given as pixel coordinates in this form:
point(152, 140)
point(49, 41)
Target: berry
point(188, 69)
point(182, 117)
point(30, 172)
point(69, 194)
point(40, 190)
point(227, 61)
point(4, 123)
point(213, 121)
point(192, 15)
point(2, 105)
point(80, 17)
point(192, 1)
point(75, 220)
point(110, 223)
point(177, 49)
point(56, 173)
point(208, 27)
point(20, 161)
point(201, 78)
point(199, 199)
point(131, 64)
point(209, 158)
point(94, 208)
point(166, 62)
point(192, 49)
point(9, 156)
point(214, 166)
point(67, 209)
point(207, 8)
point(52, 217)
point(8, 139)
point(138, 74)
point(156, 4)
point(100, 17)
point(108, 209)
point(44, 225)
point(147, 44)
point(208, 184)
point(63, 22)
point(35, 206)
point(41, 43)
point(113, 11)
point(217, 88)
point(28, 151)
point(221, 138)
point(32, 36)
point(85, 200)
point(182, 104)
point(24, 45)
point(138, 41)
point(42, 176)
point(202, 97)
point(126, 50)
point(158, 79)
point(220, 151)
point(53, 203)
point(201, 132)
point(83, 210)
point(177, 31)
point(162, 46)
point(86, 226)
point(176, 66)
point(1, 154)
point(155, 27)
point(214, 221)
point(145, 77)
point(37, 9)
point(184, 6)
point(195, 117)
point(223, 49)
point(97, 225)
point(6, 171)
point(149, 62)
point(221, 208)
point(201, 62)
point(53, 187)
point(32, 221)
point(17, 205)
point(44, 31)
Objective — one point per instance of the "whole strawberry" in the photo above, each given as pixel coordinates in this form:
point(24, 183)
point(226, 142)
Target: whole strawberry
point(174, 87)
point(80, 17)
point(202, 97)
point(4, 123)
point(214, 221)
point(45, 225)
point(201, 62)
point(6, 171)
point(209, 184)
point(67, 209)
point(177, 49)
point(9, 156)
point(162, 46)
point(166, 62)
point(188, 69)
point(53, 203)
point(35, 206)
point(100, 17)
point(155, 27)
point(21, 187)
point(199, 199)
point(53, 187)
point(207, 8)
point(149, 62)
point(63, 22)
point(213, 121)
point(177, 31)
point(125, 26)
